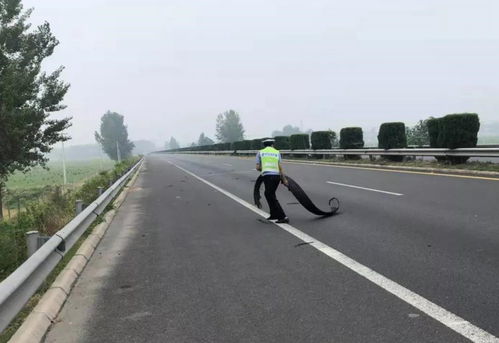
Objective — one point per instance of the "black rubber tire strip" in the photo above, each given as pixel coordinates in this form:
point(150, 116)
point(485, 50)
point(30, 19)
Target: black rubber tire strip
point(300, 195)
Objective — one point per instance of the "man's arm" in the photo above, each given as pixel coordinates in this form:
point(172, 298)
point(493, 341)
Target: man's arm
point(258, 162)
point(283, 177)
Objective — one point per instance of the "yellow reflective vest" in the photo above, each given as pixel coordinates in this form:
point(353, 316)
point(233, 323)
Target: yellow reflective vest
point(269, 158)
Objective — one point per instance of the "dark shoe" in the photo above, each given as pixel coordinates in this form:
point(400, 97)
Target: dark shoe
point(284, 220)
point(271, 218)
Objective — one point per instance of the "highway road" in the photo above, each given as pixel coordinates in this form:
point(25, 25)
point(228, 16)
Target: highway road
point(411, 257)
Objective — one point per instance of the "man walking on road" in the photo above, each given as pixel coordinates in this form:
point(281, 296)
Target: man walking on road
point(268, 162)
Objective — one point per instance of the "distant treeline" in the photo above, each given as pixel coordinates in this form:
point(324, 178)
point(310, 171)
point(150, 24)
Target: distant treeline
point(451, 131)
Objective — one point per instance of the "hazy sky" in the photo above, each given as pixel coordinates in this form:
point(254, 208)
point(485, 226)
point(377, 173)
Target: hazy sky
point(171, 66)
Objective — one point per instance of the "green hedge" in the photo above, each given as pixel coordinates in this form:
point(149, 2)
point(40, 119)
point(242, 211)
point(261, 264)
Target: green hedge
point(459, 130)
point(392, 136)
point(299, 141)
point(454, 131)
point(242, 145)
point(282, 143)
point(256, 144)
point(351, 138)
point(322, 139)
point(433, 130)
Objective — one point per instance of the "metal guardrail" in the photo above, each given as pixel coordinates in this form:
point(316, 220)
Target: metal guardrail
point(471, 152)
point(19, 286)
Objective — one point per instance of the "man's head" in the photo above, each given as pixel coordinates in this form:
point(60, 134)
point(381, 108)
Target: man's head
point(268, 142)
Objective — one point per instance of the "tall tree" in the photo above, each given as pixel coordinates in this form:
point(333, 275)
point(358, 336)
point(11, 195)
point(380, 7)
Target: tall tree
point(27, 95)
point(418, 134)
point(229, 127)
point(173, 144)
point(287, 130)
point(113, 136)
point(204, 140)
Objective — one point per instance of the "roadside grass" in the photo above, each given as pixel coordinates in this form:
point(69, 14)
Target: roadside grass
point(38, 183)
point(48, 216)
point(33, 301)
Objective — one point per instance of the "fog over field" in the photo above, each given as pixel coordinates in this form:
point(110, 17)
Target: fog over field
point(171, 66)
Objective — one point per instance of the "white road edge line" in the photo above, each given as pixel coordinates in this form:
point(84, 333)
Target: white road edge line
point(364, 188)
point(449, 319)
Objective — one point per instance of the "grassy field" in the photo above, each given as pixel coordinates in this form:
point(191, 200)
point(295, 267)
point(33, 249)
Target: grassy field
point(35, 184)
point(76, 172)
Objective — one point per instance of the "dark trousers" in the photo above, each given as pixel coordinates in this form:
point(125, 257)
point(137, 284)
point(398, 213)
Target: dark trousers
point(271, 183)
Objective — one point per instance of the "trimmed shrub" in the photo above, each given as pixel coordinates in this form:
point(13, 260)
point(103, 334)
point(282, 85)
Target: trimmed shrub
point(282, 143)
point(242, 145)
point(351, 138)
point(246, 145)
point(433, 130)
point(256, 144)
point(322, 139)
point(453, 131)
point(460, 130)
point(221, 146)
point(299, 141)
point(392, 136)
point(435, 138)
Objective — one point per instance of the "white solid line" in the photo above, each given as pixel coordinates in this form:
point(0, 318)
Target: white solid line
point(364, 188)
point(449, 319)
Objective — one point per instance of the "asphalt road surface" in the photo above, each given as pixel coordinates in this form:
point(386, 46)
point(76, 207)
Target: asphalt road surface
point(410, 258)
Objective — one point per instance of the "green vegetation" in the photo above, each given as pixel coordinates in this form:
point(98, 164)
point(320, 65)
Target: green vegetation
point(113, 136)
point(287, 131)
point(322, 139)
point(204, 140)
point(229, 127)
point(282, 143)
point(475, 166)
point(48, 216)
point(418, 134)
point(299, 141)
point(76, 172)
point(39, 183)
point(256, 144)
point(351, 138)
point(242, 145)
point(172, 144)
point(392, 136)
point(460, 130)
point(454, 131)
point(28, 96)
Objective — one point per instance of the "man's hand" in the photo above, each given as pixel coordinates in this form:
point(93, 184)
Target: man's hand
point(284, 181)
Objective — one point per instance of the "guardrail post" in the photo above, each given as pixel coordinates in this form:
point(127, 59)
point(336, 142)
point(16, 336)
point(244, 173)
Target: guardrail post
point(100, 190)
point(32, 242)
point(79, 206)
